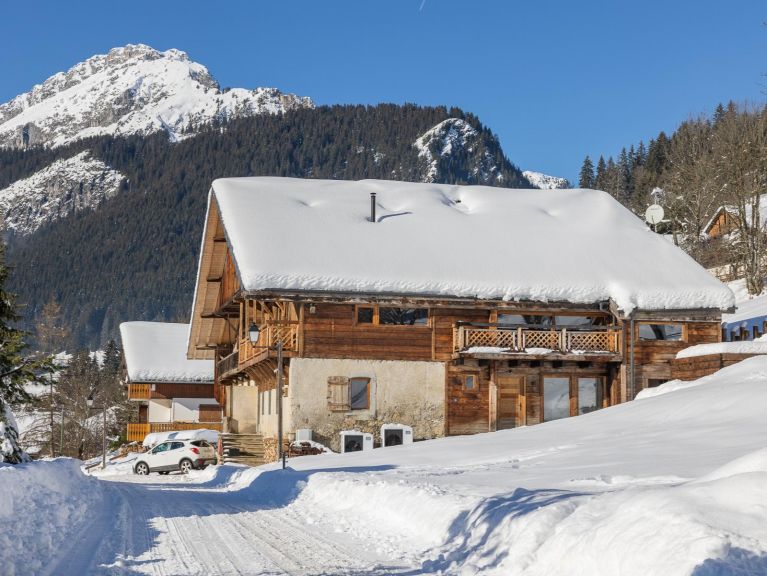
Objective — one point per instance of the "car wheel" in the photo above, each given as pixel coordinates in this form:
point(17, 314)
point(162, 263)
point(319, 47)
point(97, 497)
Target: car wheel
point(142, 469)
point(185, 466)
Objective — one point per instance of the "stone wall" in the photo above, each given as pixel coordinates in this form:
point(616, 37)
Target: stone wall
point(401, 392)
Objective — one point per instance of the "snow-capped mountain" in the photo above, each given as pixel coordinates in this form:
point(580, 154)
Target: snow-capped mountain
point(59, 189)
point(544, 181)
point(453, 137)
point(134, 89)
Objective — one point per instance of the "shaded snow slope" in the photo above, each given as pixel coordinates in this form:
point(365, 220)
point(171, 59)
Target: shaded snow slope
point(594, 249)
point(134, 89)
point(156, 352)
point(58, 190)
point(544, 181)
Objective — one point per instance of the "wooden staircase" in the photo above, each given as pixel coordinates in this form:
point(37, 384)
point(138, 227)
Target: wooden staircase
point(243, 449)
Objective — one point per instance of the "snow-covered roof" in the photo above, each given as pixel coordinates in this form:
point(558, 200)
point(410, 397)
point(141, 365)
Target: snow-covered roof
point(740, 347)
point(156, 352)
point(577, 246)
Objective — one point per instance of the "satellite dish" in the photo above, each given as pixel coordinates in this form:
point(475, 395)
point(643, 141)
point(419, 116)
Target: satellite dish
point(654, 214)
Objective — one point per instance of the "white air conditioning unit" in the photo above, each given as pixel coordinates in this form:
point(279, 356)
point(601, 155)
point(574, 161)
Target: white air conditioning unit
point(304, 435)
point(396, 435)
point(355, 441)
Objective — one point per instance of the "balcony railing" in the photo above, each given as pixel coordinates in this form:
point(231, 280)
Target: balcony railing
point(227, 364)
point(137, 431)
point(285, 331)
point(498, 338)
point(139, 391)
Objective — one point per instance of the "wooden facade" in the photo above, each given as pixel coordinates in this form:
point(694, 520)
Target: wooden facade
point(508, 366)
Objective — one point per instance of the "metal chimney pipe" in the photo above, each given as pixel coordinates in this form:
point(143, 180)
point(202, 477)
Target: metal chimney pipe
point(372, 206)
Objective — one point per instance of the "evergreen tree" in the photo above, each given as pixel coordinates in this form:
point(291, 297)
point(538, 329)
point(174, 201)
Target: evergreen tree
point(600, 181)
point(719, 114)
point(586, 177)
point(16, 370)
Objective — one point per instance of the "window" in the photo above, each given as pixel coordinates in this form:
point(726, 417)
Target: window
point(672, 332)
point(655, 382)
point(469, 382)
point(364, 315)
point(176, 445)
point(513, 319)
point(403, 316)
point(346, 394)
point(359, 393)
point(579, 321)
point(556, 398)
point(588, 394)
point(161, 448)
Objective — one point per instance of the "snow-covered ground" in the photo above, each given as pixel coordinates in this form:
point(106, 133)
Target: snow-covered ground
point(671, 484)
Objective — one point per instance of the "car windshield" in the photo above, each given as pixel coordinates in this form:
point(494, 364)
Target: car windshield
point(161, 448)
point(200, 444)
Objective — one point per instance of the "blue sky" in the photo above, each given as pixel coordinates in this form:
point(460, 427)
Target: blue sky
point(556, 80)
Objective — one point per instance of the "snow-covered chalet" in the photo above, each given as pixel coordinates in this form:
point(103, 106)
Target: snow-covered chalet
point(171, 392)
point(452, 309)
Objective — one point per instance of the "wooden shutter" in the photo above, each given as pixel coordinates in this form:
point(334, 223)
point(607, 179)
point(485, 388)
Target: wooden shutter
point(338, 394)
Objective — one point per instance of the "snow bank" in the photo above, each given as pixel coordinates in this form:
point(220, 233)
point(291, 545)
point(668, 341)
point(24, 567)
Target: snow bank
point(156, 352)
point(666, 387)
point(665, 485)
point(623, 259)
point(43, 504)
point(741, 347)
point(719, 526)
point(154, 438)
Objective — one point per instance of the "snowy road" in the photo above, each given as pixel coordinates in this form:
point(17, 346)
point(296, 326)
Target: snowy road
point(190, 525)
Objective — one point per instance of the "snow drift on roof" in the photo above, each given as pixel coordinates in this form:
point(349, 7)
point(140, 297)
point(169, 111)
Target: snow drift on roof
point(578, 246)
point(156, 352)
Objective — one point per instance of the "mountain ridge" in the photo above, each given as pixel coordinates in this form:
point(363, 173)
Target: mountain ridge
point(133, 89)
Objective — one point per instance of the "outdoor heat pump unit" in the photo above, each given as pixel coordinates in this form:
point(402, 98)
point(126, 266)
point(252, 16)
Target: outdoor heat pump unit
point(304, 435)
point(396, 435)
point(355, 441)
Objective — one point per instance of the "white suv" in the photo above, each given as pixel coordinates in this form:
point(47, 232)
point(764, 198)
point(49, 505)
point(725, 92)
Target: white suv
point(174, 455)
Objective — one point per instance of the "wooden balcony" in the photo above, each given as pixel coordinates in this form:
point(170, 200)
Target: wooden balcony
point(137, 431)
point(503, 340)
point(139, 391)
point(271, 333)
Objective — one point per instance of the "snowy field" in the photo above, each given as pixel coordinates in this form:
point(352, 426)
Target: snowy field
point(671, 484)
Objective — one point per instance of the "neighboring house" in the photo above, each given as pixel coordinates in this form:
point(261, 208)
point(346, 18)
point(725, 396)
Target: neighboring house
point(172, 392)
point(725, 219)
point(452, 309)
point(749, 321)
point(722, 223)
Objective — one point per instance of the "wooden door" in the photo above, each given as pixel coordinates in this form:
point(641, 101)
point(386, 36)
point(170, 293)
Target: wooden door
point(511, 401)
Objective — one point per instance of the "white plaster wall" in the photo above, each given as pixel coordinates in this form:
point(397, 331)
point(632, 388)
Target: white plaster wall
point(244, 409)
point(188, 409)
point(159, 411)
point(401, 392)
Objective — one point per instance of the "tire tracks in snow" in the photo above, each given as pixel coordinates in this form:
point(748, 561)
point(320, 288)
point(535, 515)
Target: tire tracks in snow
point(180, 528)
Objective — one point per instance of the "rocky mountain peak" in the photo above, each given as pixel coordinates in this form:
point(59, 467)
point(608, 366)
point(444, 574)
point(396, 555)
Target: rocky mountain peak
point(133, 89)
